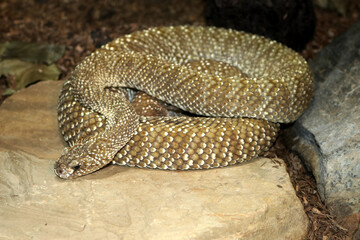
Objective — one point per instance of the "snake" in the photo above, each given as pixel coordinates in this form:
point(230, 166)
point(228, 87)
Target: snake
point(233, 90)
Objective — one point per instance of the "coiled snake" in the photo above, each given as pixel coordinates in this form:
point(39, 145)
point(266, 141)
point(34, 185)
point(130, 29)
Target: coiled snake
point(240, 85)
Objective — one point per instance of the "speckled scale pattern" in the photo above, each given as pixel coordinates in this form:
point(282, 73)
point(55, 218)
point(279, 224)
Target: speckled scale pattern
point(278, 92)
point(172, 143)
point(77, 123)
point(222, 74)
point(184, 143)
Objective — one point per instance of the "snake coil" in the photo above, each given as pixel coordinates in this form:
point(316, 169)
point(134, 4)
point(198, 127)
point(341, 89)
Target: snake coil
point(241, 86)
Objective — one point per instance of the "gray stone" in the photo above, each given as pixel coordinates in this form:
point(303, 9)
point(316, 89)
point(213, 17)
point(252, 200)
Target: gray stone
point(251, 201)
point(327, 136)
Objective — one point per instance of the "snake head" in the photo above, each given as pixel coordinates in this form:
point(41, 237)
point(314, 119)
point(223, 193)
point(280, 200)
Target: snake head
point(78, 161)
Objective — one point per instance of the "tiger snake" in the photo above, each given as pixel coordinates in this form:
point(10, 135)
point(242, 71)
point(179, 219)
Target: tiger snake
point(234, 89)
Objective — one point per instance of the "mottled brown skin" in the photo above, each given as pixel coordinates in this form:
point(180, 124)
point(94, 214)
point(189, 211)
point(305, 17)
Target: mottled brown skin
point(241, 84)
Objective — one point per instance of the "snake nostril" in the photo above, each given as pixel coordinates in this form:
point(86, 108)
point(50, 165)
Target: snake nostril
point(58, 171)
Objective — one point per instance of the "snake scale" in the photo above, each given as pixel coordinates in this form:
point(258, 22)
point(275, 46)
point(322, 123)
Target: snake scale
point(236, 88)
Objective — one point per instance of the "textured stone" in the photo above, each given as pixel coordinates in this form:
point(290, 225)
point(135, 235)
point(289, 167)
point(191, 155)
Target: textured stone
point(327, 136)
point(252, 201)
point(28, 121)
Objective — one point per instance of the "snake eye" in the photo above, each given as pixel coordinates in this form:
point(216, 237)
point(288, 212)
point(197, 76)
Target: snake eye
point(76, 167)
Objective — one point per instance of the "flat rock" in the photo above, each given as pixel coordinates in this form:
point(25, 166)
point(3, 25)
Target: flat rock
point(327, 136)
point(251, 201)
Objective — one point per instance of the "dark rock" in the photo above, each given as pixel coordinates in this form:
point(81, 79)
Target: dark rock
point(327, 136)
point(291, 22)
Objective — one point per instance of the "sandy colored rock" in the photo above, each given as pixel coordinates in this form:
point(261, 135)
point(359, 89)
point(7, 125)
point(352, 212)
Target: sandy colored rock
point(251, 201)
point(28, 121)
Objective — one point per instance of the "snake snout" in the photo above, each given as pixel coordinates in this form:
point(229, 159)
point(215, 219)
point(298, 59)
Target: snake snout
point(62, 172)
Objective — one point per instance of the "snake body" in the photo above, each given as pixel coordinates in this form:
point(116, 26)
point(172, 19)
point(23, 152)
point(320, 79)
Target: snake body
point(241, 86)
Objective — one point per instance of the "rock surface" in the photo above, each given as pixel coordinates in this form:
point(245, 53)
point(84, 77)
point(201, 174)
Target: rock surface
point(252, 201)
point(327, 136)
